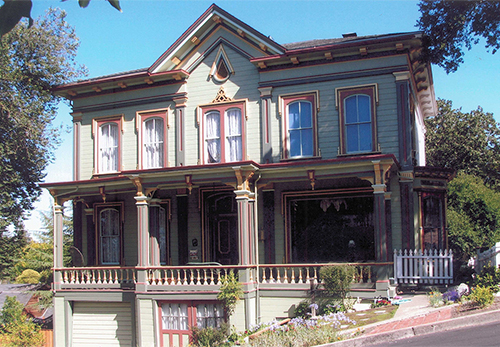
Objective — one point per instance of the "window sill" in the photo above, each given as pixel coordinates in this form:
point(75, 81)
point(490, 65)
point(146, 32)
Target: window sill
point(301, 159)
point(360, 154)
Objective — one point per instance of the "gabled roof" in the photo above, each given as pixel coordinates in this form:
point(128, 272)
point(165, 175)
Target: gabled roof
point(213, 17)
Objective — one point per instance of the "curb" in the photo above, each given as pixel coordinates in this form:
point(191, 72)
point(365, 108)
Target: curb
point(449, 324)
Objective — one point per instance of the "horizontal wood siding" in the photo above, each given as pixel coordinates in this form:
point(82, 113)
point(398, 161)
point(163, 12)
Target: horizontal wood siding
point(102, 324)
point(146, 322)
point(130, 231)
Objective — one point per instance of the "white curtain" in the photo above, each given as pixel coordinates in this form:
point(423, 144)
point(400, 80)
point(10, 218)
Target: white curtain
point(108, 148)
point(234, 138)
point(174, 316)
point(110, 236)
point(209, 315)
point(213, 137)
point(153, 143)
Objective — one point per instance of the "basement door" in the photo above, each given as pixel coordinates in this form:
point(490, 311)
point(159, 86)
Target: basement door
point(102, 324)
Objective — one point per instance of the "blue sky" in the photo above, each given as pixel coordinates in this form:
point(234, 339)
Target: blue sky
point(114, 42)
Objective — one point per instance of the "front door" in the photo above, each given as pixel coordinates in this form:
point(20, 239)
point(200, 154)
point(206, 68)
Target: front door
point(222, 226)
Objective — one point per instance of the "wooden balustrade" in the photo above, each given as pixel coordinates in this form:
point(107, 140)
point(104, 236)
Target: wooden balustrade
point(98, 275)
point(192, 275)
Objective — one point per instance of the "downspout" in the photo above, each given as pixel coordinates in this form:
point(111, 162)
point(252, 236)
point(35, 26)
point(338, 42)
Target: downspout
point(256, 236)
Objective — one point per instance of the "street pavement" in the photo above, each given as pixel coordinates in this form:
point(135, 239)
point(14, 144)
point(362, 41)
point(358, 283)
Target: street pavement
point(414, 317)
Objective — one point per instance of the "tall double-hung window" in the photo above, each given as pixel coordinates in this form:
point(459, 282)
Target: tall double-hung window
point(109, 218)
point(152, 131)
point(223, 129)
point(357, 119)
point(108, 147)
point(299, 119)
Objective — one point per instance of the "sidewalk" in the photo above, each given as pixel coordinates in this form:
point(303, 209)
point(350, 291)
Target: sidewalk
point(414, 317)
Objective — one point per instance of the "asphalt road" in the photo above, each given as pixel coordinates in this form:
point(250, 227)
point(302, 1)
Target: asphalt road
point(479, 335)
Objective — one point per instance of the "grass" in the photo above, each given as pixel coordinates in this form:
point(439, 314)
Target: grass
point(371, 316)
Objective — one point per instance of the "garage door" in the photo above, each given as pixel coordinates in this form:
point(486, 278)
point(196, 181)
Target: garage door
point(101, 324)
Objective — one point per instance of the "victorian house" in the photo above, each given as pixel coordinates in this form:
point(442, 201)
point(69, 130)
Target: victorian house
point(235, 153)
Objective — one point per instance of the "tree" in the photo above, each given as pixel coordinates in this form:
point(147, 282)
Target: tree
point(12, 11)
point(17, 329)
point(449, 26)
point(31, 62)
point(473, 215)
point(469, 142)
point(11, 248)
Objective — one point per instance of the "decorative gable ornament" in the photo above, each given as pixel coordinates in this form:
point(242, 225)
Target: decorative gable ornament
point(221, 68)
point(221, 97)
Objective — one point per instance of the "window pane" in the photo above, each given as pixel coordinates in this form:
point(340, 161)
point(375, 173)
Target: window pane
point(213, 137)
point(108, 147)
point(162, 235)
point(293, 116)
point(365, 137)
point(153, 143)
point(234, 140)
point(352, 138)
point(295, 143)
point(305, 115)
point(307, 142)
point(364, 112)
point(174, 316)
point(351, 110)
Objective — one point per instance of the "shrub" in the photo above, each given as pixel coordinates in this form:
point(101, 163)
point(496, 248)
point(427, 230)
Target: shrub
point(210, 337)
point(481, 297)
point(230, 292)
point(488, 278)
point(17, 329)
point(29, 276)
point(337, 279)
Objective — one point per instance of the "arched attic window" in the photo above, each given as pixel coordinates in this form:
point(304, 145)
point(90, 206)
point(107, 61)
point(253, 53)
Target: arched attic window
point(221, 68)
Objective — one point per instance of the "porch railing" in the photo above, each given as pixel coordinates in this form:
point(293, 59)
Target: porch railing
point(99, 275)
point(423, 267)
point(193, 275)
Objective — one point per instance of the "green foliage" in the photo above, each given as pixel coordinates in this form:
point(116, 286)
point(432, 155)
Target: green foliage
point(481, 297)
point(488, 278)
point(449, 26)
point(11, 248)
point(473, 215)
point(467, 142)
point(17, 329)
point(12, 11)
point(210, 337)
point(337, 279)
point(230, 293)
point(29, 276)
point(32, 61)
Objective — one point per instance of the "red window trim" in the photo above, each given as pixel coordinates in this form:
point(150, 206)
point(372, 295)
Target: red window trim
point(142, 117)
point(222, 108)
point(192, 319)
point(97, 123)
point(98, 207)
point(342, 95)
point(286, 100)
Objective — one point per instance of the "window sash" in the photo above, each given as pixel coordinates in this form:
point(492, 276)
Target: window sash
point(153, 143)
point(212, 138)
point(108, 147)
point(109, 236)
point(234, 150)
point(300, 129)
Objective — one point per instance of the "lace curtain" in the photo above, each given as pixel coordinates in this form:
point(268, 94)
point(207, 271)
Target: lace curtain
point(110, 236)
point(174, 316)
point(213, 137)
point(108, 147)
point(234, 148)
point(153, 143)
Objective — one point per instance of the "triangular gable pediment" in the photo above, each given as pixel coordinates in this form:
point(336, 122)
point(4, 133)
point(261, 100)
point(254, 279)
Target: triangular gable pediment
point(202, 28)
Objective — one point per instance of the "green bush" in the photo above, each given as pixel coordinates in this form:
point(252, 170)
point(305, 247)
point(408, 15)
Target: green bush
point(16, 329)
point(29, 276)
point(230, 292)
point(337, 279)
point(210, 337)
point(481, 297)
point(488, 278)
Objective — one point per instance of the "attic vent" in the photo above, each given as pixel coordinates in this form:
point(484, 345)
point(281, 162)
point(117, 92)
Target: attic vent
point(349, 35)
point(221, 68)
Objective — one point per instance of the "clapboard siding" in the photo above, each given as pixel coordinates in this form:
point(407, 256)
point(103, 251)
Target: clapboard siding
point(102, 324)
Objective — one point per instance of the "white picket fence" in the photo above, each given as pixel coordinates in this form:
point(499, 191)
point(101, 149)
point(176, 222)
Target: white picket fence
point(427, 267)
point(488, 257)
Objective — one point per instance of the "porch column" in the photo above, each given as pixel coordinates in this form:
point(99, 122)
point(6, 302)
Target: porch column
point(246, 247)
point(142, 203)
point(58, 244)
point(91, 244)
point(380, 222)
point(407, 210)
